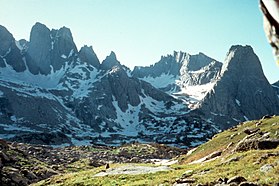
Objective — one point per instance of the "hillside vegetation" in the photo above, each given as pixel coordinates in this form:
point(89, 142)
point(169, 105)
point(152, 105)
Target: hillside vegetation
point(247, 154)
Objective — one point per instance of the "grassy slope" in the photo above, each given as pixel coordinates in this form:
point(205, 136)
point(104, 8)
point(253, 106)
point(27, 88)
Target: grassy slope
point(247, 165)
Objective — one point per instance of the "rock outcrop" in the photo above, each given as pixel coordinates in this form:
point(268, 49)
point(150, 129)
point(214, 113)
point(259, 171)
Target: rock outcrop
point(110, 61)
point(87, 55)
point(9, 52)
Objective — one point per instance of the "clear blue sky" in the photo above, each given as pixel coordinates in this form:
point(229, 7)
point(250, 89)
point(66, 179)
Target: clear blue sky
point(140, 31)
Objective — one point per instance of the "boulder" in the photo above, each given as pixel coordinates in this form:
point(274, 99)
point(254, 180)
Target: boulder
point(4, 157)
point(266, 168)
point(186, 180)
point(29, 175)
point(256, 144)
point(248, 184)
point(18, 179)
point(3, 143)
point(236, 179)
point(250, 131)
point(187, 173)
point(95, 163)
point(213, 155)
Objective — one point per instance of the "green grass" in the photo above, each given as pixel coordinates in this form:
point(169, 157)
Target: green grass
point(234, 135)
point(87, 178)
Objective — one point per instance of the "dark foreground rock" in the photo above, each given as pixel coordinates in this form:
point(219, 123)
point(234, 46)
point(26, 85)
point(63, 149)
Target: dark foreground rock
point(233, 181)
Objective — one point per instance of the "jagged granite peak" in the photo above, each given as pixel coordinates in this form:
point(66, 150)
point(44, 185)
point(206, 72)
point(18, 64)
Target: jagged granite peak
point(242, 91)
point(203, 75)
point(38, 55)
point(110, 62)
point(198, 61)
point(242, 58)
point(49, 50)
point(6, 39)
point(125, 90)
point(179, 56)
point(169, 64)
point(173, 64)
point(174, 73)
point(87, 55)
point(63, 48)
point(9, 52)
point(65, 33)
point(63, 40)
point(22, 45)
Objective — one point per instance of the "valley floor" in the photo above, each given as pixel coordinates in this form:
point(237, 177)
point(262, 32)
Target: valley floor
point(247, 154)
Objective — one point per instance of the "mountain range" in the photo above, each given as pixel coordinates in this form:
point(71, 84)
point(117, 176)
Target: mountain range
point(52, 93)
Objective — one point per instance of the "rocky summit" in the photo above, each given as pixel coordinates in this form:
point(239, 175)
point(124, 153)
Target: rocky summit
point(51, 93)
point(242, 91)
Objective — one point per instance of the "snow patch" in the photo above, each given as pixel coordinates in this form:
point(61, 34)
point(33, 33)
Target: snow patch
point(63, 56)
point(166, 162)
point(128, 120)
point(80, 143)
point(8, 51)
point(52, 45)
point(237, 102)
point(236, 120)
point(197, 92)
point(197, 71)
point(162, 81)
point(26, 77)
point(132, 170)
point(81, 87)
point(18, 45)
point(25, 91)
point(16, 127)
point(71, 53)
point(246, 118)
point(13, 118)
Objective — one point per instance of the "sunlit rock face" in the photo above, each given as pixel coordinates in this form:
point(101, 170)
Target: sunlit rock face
point(242, 91)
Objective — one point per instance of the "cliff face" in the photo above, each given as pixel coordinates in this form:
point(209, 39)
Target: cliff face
point(9, 52)
point(242, 92)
